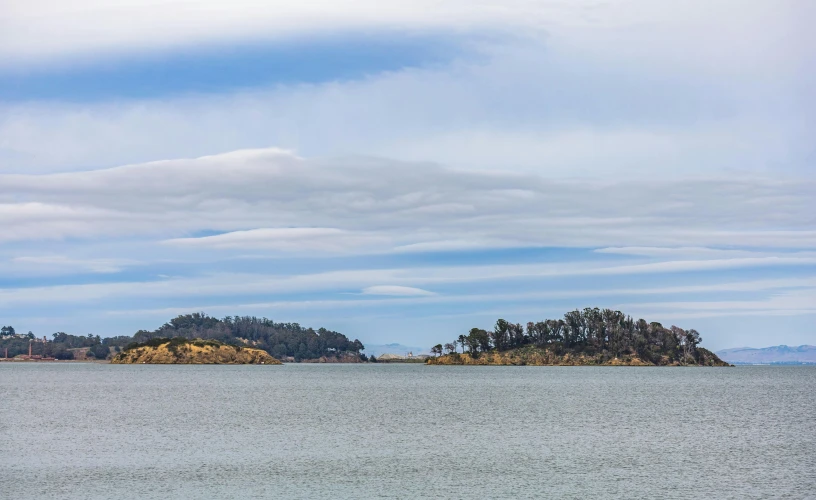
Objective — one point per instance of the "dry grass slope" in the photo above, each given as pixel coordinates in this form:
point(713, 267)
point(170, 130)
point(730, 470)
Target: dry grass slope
point(195, 353)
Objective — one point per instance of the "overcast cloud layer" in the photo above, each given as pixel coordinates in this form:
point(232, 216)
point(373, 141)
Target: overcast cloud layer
point(656, 159)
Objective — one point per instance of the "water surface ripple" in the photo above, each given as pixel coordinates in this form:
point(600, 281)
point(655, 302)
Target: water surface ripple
point(406, 431)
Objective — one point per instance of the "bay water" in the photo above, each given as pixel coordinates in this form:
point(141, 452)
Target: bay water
point(74, 430)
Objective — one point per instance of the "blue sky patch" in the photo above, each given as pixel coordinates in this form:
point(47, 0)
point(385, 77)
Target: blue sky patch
point(228, 68)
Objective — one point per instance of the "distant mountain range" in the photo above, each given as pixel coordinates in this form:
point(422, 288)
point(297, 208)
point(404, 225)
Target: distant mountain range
point(402, 350)
point(780, 354)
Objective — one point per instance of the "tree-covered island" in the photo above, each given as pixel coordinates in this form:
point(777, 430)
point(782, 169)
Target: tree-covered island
point(589, 337)
point(281, 341)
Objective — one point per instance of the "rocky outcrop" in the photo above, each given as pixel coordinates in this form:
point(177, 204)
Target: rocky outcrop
point(531, 356)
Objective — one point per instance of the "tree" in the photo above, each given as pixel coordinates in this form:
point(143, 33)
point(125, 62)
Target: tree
point(689, 340)
point(437, 349)
point(479, 339)
point(450, 347)
point(574, 322)
point(540, 333)
point(356, 346)
point(472, 343)
point(556, 330)
point(594, 328)
point(516, 334)
point(7, 331)
point(99, 351)
point(64, 355)
point(500, 334)
point(693, 337)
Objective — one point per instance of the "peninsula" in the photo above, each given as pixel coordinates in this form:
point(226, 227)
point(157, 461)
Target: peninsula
point(180, 350)
point(589, 337)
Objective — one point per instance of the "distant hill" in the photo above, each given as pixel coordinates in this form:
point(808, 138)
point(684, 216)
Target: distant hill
point(780, 354)
point(378, 350)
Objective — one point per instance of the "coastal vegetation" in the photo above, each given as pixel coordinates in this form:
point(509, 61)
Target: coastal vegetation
point(181, 350)
point(589, 337)
point(283, 341)
point(61, 346)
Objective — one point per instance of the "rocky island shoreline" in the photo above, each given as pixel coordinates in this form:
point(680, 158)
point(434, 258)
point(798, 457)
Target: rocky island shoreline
point(531, 356)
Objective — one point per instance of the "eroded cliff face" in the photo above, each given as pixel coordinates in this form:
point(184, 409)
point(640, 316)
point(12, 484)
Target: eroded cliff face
point(191, 353)
point(543, 357)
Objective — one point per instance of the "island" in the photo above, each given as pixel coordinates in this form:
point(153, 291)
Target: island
point(181, 350)
point(591, 336)
point(287, 342)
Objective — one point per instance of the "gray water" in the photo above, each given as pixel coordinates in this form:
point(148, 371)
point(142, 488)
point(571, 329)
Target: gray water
point(406, 431)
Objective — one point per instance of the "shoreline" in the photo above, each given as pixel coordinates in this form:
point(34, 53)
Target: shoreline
point(544, 357)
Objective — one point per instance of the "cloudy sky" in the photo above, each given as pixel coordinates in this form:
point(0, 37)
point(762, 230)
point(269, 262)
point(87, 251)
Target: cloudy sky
point(403, 171)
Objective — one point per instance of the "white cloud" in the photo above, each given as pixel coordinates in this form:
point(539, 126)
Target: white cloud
point(396, 290)
point(528, 304)
point(345, 281)
point(729, 33)
point(695, 252)
point(442, 115)
point(274, 200)
point(58, 264)
point(48, 29)
point(590, 150)
point(612, 89)
point(796, 302)
point(288, 239)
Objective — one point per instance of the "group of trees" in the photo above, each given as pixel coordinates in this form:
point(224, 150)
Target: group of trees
point(281, 340)
point(60, 346)
point(591, 331)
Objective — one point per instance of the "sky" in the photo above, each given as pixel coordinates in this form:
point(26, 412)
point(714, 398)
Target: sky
point(404, 171)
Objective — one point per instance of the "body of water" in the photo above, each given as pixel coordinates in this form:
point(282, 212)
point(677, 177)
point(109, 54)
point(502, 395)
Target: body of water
point(74, 430)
